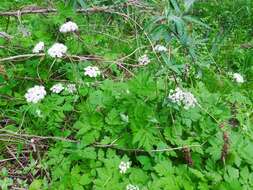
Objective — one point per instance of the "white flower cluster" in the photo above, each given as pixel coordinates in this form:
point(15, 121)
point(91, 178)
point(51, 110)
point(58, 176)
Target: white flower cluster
point(57, 50)
point(238, 78)
point(38, 93)
point(123, 167)
point(57, 88)
point(144, 60)
point(180, 97)
point(132, 187)
point(68, 27)
point(35, 94)
point(39, 47)
point(160, 48)
point(71, 88)
point(91, 71)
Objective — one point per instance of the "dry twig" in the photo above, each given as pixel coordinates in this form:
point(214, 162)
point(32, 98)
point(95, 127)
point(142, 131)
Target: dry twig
point(5, 36)
point(28, 56)
point(141, 150)
point(40, 10)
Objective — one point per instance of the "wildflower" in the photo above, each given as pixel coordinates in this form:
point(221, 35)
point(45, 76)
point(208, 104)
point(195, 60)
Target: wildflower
point(68, 27)
point(71, 88)
point(143, 60)
point(132, 187)
point(39, 47)
point(238, 78)
point(57, 50)
point(123, 166)
point(180, 97)
point(35, 94)
point(160, 48)
point(91, 71)
point(57, 88)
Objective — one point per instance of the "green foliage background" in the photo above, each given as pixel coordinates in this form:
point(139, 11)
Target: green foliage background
point(125, 114)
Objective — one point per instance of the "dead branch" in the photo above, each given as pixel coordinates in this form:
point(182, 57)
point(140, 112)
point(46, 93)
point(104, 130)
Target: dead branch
point(40, 10)
point(98, 145)
point(74, 57)
point(37, 137)
point(141, 150)
point(18, 57)
point(51, 10)
point(5, 36)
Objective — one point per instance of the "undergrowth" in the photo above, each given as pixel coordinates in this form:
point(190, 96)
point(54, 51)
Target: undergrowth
point(147, 95)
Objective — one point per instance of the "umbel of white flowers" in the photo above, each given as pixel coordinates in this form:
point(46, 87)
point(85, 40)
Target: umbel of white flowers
point(57, 88)
point(132, 187)
point(143, 60)
point(57, 50)
point(91, 71)
point(180, 97)
point(71, 88)
point(238, 78)
point(123, 167)
point(160, 48)
point(39, 47)
point(35, 94)
point(68, 27)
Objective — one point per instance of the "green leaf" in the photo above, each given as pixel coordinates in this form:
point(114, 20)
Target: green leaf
point(188, 4)
point(145, 161)
point(196, 21)
point(113, 117)
point(67, 107)
point(36, 185)
point(82, 3)
point(85, 179)
point(175, 6)
point(197, 173)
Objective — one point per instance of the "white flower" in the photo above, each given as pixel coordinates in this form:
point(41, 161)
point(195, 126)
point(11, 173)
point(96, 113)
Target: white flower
point(57, 88)
point(180, 97)
point(91, 71)
point(160, 48)
point(143, 60)
point(123, 166)
point(38, 47)
point(68, 27)
point(132, 187)
point(35, 94)
point(57, 50)
point(238, 78)
point(189, 100)
point(71, 88)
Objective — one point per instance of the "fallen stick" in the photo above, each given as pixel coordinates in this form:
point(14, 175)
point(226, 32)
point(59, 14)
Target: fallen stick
point(51, 10)
point(73, 57)
point(41, 10)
